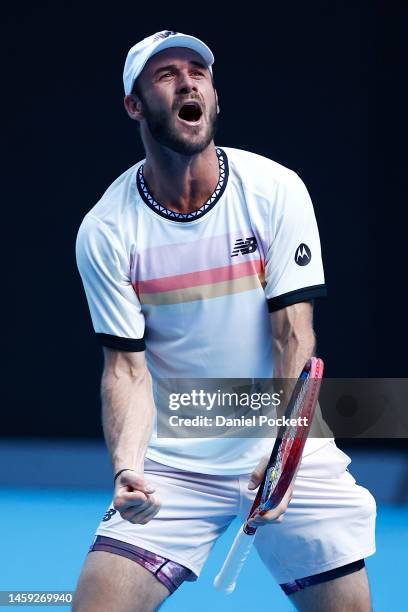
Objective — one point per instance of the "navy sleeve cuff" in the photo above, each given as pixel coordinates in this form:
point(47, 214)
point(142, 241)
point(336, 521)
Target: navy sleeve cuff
point(132, 345)
point(306, 294)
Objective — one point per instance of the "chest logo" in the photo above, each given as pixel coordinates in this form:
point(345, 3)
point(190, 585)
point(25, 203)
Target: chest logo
point(243, 247)
point(303, 255)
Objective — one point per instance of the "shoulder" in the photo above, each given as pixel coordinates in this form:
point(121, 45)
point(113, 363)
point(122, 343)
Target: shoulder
point(271, 190)
point(107, 222)
point(258, 172)
point(117, 202)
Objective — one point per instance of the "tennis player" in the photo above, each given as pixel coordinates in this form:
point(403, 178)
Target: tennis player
point(204, 262)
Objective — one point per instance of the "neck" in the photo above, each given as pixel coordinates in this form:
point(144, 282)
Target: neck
point(179, 182)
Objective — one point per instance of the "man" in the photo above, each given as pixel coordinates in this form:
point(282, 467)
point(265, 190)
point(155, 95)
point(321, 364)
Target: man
point(203, 261)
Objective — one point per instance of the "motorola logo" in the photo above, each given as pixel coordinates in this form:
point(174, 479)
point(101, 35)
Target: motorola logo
point(303, 255)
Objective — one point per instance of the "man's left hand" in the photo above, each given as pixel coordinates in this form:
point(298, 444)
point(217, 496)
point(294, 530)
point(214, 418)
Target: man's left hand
point(276, 514)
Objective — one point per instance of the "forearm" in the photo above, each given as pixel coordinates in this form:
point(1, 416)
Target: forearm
point(127, 415)
point(291, 353)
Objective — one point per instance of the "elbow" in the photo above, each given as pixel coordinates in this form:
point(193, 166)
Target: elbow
point(124, 366)
point(293, 327)
point(297, 340)
point(129, 373)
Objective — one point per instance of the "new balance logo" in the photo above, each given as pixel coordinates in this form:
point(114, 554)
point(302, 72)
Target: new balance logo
point(244, 246)
point(164, 34)
point(108, 514)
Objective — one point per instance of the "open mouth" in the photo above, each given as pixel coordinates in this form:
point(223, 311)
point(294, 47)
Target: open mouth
point(191, 112)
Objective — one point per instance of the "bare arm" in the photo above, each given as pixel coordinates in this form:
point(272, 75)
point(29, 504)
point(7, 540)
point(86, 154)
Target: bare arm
point(293, 343)
point(293, 339)
point(127, 408)
point(127, 417)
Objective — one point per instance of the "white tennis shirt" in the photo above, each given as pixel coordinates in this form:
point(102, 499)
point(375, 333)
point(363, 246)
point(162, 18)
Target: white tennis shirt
point(195, 290)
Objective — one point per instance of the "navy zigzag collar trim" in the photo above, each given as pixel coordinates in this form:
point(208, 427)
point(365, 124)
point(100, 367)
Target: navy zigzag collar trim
point(196, 214)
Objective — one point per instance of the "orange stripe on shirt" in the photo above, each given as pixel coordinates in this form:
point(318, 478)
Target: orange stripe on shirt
point(204, 292)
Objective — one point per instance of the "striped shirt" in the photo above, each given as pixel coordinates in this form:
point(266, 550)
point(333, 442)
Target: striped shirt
point(195, 290)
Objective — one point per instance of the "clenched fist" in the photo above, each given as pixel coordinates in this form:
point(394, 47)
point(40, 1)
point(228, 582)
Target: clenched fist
point(133, 498)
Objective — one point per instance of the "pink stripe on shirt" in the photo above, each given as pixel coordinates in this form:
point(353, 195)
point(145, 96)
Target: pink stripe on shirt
point(201, 277)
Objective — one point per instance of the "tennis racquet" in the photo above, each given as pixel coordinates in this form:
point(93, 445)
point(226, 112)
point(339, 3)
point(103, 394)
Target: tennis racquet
point(282, 466)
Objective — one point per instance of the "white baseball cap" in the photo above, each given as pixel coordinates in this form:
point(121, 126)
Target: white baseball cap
point(140, 53)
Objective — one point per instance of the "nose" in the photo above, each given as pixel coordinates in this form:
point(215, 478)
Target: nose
point(185, 83)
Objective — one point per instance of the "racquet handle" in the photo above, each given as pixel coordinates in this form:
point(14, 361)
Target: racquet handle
point(227, 578)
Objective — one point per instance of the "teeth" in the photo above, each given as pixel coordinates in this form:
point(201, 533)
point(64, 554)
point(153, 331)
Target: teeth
point(192, 105)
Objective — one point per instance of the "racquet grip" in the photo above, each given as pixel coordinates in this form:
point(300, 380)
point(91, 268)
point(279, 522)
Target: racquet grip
point(227, 577)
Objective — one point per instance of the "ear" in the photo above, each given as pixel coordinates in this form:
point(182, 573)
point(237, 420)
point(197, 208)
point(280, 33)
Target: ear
point(216, 100)
point(134, 107)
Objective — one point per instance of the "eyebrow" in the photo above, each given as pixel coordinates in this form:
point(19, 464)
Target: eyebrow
point(174, 67)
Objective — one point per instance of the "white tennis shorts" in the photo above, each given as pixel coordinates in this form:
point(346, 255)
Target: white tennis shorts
point(330, 521)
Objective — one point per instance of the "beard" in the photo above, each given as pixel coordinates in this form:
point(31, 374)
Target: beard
point(166, 134)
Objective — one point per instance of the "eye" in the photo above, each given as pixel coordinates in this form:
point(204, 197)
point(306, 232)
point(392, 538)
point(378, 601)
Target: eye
point(165, 75)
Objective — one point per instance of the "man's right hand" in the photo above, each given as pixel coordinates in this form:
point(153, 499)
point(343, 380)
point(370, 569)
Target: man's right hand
point(133, 498)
